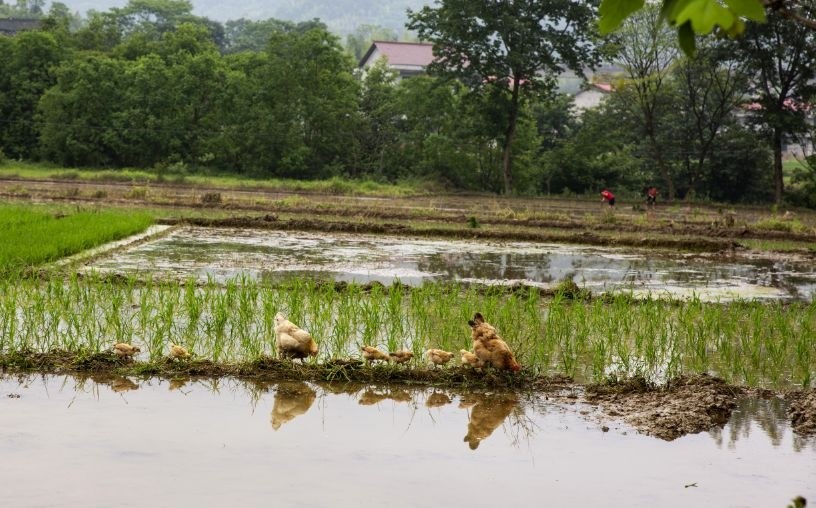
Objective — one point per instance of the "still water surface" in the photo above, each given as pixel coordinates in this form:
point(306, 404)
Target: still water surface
point(226, 253)
point(123, 442)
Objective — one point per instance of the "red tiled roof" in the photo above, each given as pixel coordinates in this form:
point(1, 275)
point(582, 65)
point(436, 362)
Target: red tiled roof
point(402, 53)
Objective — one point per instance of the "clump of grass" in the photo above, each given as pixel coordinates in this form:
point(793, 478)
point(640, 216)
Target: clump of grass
point(136, 193)
point(781, 223)
point(99, 194)
point(473, 222)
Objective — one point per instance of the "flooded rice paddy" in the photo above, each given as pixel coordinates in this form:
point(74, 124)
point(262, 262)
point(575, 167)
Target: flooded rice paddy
point(225, 253)
point(128, 442)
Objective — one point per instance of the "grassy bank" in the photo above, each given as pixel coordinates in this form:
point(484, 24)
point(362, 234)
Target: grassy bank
point(33, 235)
point(339, 186)
point(745, 343)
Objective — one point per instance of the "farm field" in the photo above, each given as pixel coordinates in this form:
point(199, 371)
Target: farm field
point(670, 332)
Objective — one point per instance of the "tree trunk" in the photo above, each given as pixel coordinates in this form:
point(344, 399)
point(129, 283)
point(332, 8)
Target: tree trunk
point(779, 183)
point(509, 135)
point(661, 163)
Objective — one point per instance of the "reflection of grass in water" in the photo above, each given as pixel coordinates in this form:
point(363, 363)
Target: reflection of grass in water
point(746, 343)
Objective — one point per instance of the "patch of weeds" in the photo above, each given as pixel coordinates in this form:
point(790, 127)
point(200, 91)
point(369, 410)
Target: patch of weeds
point(137, 193)
point(211, 198)
point(65, 175)
point(71, 192)
point(99, 194)
point(567, 288)
point(19, 191)
point(781, 223)
point(473, 223)
point(608, 217)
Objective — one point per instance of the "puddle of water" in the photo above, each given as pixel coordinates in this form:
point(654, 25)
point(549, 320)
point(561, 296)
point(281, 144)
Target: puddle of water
point(226, 253)
point(118, 442)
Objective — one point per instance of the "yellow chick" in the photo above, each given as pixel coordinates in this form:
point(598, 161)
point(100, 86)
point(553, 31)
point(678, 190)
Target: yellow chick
point(124, 350)
point(400, 357)
point(469, 358)
point(372, 354)
point(439, 356)
point(178, 352)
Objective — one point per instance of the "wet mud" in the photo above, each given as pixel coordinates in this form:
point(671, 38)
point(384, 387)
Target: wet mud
point(270, 221)
point(687, 405)
point(802, 412)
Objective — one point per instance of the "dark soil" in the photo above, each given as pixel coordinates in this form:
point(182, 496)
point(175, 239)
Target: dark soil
point(687, 405)
point(802, 412)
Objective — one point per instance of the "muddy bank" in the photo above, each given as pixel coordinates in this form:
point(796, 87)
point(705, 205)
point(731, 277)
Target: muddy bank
point(687, 405)
point(584, 237)
point(802, 412)
point(345, 370)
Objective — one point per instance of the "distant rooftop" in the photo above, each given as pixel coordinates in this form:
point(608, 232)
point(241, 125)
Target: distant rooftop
point(415, 54)
point(11, 26)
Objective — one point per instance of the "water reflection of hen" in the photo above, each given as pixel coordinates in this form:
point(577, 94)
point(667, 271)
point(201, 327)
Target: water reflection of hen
point(372, 396)
point(122, 384)
point(488, 412)
point(437, 399)
point(291, 401)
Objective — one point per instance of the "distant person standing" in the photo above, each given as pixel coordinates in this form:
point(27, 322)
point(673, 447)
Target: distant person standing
point(608, 197)
point(651, 196)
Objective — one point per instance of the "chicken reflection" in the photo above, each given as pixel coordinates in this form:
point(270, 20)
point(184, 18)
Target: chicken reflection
point(291, 400)
point(487, 413)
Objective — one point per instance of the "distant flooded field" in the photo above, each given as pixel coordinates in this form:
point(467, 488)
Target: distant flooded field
point(130, 442)
point(224, 253)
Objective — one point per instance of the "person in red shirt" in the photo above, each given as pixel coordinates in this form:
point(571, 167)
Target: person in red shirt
point(651, 196)
point(608, 196)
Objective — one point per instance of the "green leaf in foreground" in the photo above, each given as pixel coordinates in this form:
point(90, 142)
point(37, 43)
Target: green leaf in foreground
point(751, 9)
point(613, 12)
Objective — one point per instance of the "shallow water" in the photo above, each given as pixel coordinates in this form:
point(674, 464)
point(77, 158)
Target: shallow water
point(120, 442)
point(225, 253)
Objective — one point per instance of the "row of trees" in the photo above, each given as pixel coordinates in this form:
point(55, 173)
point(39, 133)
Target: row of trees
point(152, 85)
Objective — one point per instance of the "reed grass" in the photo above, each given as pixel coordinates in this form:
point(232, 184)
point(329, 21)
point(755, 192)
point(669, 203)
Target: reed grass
point(746, 343)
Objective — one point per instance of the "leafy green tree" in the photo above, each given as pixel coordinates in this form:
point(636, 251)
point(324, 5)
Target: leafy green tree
point(78, 115)
point(248, 35)
point(647, 54)
point(782, 58)
point(711, 86)
point(28, 71)
point(378, 130)
point(512, 50)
